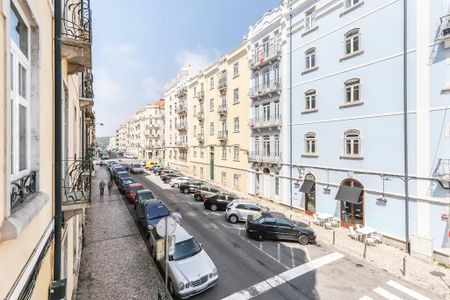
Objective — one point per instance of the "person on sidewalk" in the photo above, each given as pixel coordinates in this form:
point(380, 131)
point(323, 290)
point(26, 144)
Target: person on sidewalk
point(110, 185)
point(101, 186)
point(176, 215)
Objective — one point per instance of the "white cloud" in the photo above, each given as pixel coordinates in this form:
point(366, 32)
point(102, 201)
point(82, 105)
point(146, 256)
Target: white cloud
point(198, 59)
point(152, 89)
point(106, 87)
point(124, 55)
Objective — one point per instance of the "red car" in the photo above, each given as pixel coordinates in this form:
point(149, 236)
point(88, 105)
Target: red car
point(131, 191)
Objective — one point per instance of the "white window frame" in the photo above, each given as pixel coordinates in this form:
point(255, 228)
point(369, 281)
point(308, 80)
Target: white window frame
point(211, 104)
point(236, 69)
point(211, 83)
point(310, 19)
point(310, 100)
point(211, 128)
point(352, 87)
point(266, 77)
point(310, 58)
point(266, 146)
point(224, 152)
point(310, 143)
point(236, 181)
point(236, 153)
point(224, 177)
point(352, 141)
point(350, 38)
point(236, 95)
point(236, 124)
point(351, 3)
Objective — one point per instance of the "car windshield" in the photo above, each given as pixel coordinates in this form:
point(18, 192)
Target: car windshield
point(186, 249)
point(146, 196)
point(128, 181)
point(124, 175)
point(155, 212)
point(135, 189)
point(135, 165)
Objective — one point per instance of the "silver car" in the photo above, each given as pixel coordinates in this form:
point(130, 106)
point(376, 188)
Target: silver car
point(191, 271)
point(240, 209)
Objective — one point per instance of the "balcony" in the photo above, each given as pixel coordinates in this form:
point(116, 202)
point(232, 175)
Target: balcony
point(200, 95)
point(181, 92)
point(222, 86)
point(260, 123)
point(222, 109)
point(182, 144)
point(181, 126)
point(201, 137)
point(77, 186)
point(442, 172)
point(270, 158)
point(181, 109)
point(265, 56)
point(76, 35)
point(22, 188)
point(86, 89)
point(152, 125)
point(201, 115)
point(272, 87)
point(222, 135)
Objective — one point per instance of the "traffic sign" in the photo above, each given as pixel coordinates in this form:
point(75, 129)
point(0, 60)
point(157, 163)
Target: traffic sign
point(171, 226)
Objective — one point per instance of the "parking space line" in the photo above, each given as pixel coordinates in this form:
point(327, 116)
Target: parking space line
point(386, 294)
point(305, 249)
point(407, 291)
point(365, 298)
point(284, 277)
point(278, 252)
point(292, 257)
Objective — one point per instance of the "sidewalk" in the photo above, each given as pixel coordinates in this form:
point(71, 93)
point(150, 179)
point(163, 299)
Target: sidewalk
point(115, 263)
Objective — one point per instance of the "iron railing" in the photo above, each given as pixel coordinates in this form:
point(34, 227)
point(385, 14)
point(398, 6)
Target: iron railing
point(222, 109)
point(222, 135)
point(87, 90)
point(445, 26)
point(182, 108)
point(76, 20)
point(272, 157)
point(272, 121)
point(181, 126)
point(201, 115)
point(272, 86)
point(181, 92)
point(201, 137)
point(182, 144)
point(199, 94)
point(263, 56)
point(222, 82)
point(22, 188)
point(77, 181)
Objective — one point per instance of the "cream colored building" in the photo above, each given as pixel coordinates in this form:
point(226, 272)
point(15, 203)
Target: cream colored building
point(27, 148)
point(218, 115)
point(122, 137)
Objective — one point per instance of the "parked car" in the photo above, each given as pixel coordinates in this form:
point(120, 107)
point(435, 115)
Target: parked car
point(190, 186)
point(166, 178)
point(149, 212)
point(104, 157)
point(143, 195)
point(275, 226)
point(136, 169)
point(121, 175)
point(150, 163)
point(117, 168)
point(205, 190)
point(131, 191)
point(123, 183)
point(190, 270)
point(218, 201)
point(129, 156)
point(238, 210)
point(175, 182)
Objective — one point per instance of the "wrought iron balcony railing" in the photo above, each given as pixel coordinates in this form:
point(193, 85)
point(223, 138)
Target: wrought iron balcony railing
point(201, 115)
point(182, 109)
point(222, 135)
point(442, 172)
point(222, 109)
point(87, 91)
point(445, 27)
point(201, 137)
point(222, 82)
point(265, 55)
point(182, 144)
point(272, 121)
point(272, 157)
point(76, 20)
point(181, 92)
point(181, 126)
point(272, 86)
point(22, 188)
point(200, 94)
point(77, 182)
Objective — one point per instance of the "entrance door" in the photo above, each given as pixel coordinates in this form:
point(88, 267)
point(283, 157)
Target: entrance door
point(257, 179)
point(266, 183)
point(211, 163)
point(310, 197)
point(352, 213)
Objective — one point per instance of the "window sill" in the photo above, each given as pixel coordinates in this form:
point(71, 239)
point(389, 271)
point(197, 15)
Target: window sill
point(315, 155)
point(356, 103)
point(236, 160)
point(236, 76)
point(309, 111)
point(351, 157)
point(234, 103)
point(236, 131)
point(310, 30)
point(16, 223)
point(351, 55)
point(310, 70)
point(351, 8)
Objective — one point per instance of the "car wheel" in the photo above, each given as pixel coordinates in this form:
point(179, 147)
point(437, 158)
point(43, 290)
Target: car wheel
point(171, 288)
point(233, 219)
point(176, 185)
point(303, 240)
point(213, 207)
point(186, 191)
point(259, 236)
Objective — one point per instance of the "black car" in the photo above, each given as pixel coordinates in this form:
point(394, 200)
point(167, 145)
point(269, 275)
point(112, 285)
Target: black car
point(275, 226)
point(190, 186)
point(122, 175)
point(149, 212)
point(205, 190)
point(166, 178)
point(142, 196)
point(123, 183)
point(218, 201)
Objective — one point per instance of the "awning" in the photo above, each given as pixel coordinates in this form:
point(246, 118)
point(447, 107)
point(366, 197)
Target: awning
point(307, 186)
point(349, 194)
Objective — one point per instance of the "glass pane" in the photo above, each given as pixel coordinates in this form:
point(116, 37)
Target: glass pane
point(11, 149)
point(18, 31)
point(22, 137)
point(356, 43)
point(22, 81)
point(313, 60)
point(347, 214)
point(348, 46)
point(11, 72)
point(348, 94)
point(359, 213)
point(356, 147)
point(356, 93)
point(348, 147)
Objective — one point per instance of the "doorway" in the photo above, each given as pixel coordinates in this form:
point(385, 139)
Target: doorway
point(266, 183)
point(352, 212)
point(257, 179)
point(310, 195)
point(211, 163)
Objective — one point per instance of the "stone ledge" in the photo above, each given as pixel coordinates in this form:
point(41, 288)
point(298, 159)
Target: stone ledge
point(16, 223)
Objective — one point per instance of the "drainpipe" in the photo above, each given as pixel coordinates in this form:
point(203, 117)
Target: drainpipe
point(290, 107)
point(58, 139)
point(405, 122)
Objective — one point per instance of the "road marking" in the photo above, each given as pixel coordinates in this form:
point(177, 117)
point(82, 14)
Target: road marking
point(260, 246)
point(386, 294)
point(365, 298)
point(407, 291)
point(292, 257)
point(278, 252)
point(284, 277)
point(305, 249)
point(159, 183)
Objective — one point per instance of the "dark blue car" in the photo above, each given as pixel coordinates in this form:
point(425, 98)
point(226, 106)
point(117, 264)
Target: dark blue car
point(150, 212)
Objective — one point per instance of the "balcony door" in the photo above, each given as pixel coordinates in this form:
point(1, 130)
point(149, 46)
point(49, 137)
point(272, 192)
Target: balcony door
point(266, 183)
point(266, 146)
point(211, 163)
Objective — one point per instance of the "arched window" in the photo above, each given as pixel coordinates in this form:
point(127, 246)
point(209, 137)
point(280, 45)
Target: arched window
point(256, 145)
point(310, 143)
point(352, 41)
point(352, 90)
point(310, 58)
point(310, 100)
point(256, 80)
point(352, 142)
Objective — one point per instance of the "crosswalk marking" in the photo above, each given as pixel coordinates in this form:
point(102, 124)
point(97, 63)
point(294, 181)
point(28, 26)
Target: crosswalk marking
point(365, 298)
point(406, 290)
point(386, 294)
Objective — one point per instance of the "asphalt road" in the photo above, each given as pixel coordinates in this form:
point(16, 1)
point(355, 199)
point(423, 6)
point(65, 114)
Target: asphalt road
point(243, 262)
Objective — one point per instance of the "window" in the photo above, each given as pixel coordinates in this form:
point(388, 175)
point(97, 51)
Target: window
point(256, 81)
point(211, 83)
point(236, 95)
point(266, 111)
point(195, 170)
point(266, 146)
point(236, 181)
point(352, 41)
point(201, 172)
point(276, 145)
point(236, 153)
point(236, 124)
point(195, 110)
point(310, 143)
point(350, 3)
point(202, 153)
point(211, 128)
point(211, 104)
point(276, 73)
point(266, 78)
point(352, 91)
point(310, 100)
point(195, 130)
point(236, 69)
point(195, 90)
point(224, 177)
point(195, 153)
point(224, 152)
point(309, 19)
point(256, 112)
point(310, 58)
point(256, 145)
point(277, 185)
point(352, 143)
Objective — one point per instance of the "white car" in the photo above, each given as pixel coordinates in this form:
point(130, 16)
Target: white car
point(191, 270)
point(238, 210)
point(175, 182)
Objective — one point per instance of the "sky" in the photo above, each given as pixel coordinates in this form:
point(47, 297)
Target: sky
point(141, 45)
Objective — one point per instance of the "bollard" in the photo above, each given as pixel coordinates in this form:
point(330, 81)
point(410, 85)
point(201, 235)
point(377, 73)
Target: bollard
point(365, 249)
point(404, 266)
point(334, 237)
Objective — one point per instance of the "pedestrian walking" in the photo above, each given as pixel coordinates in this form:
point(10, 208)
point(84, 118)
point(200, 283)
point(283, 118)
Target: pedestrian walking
point(101, 186)
point(176, 215)
point(110, 185)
